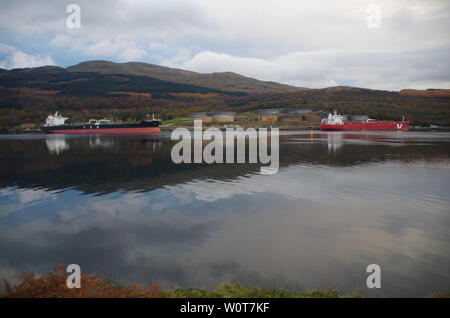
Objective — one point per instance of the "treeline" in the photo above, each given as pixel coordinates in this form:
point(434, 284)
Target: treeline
point(67, 83)
point(28, 95)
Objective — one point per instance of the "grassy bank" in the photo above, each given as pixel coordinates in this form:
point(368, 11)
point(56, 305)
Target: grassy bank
point(177, 120)
point(53, 284)
point(235, 290)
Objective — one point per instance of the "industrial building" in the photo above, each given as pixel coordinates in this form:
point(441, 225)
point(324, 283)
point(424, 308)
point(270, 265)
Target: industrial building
point(223, 117)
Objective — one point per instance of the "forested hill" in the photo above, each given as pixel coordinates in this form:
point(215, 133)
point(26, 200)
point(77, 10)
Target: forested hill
point(61, 82)
point(129, 91)
point(223, 81)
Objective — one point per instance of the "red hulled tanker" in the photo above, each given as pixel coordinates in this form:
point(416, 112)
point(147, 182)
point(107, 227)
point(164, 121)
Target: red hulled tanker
point(336, 122)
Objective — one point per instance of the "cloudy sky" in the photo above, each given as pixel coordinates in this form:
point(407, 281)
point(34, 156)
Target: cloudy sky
point(367, 43)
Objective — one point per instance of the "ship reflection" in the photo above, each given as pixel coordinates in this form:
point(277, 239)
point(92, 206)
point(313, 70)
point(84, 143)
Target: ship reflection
point(95, 141)
point(56, 143)
point(334, 142)
point(104, 164)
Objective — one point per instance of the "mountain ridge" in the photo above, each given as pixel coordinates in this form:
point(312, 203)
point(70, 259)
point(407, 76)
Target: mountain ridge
point(226, 81)
point(207, 80)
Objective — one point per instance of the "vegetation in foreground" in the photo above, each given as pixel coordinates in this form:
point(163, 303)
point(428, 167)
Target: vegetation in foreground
point(53, 285)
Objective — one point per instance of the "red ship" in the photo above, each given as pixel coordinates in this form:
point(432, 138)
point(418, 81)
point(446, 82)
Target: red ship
point(336, 122)
point(55, 124)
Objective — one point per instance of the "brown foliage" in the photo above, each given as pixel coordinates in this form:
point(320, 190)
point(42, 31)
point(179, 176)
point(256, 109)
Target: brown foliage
point(53, 285)
point(196, 95)
point(426, 93)
point(135, 94)
point(29, 91)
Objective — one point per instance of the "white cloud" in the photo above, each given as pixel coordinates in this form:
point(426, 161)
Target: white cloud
point(121, 49)
point(132, 54)
point(60, 40)
point(14, 58)
point(181, 56)
point(382, 69)
point(21, 199)
point(157, 46)
point(20, 59)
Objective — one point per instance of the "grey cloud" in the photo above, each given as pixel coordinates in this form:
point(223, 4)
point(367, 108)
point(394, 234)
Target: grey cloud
point(382, 69)
point(296, 42)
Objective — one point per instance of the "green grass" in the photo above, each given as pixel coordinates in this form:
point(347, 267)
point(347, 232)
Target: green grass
point(176, 120)
point(235, 290)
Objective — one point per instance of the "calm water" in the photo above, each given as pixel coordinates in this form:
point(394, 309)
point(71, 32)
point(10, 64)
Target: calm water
point(118, 206)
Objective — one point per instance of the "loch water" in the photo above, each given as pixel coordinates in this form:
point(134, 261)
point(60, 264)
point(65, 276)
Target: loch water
point(118, 206)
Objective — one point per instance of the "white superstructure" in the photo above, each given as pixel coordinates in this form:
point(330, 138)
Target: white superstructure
point(55, 120)
point(333, 119)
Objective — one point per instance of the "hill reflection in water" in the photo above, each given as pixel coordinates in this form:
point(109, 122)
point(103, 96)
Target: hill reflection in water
point(104, 164)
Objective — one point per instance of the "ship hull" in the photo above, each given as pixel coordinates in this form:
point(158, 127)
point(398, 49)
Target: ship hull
point(132, 128)
point(374, 126)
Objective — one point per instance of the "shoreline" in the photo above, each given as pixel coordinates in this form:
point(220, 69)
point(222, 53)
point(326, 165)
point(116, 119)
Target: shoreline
point(282, 128)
